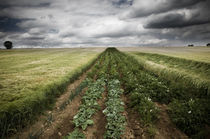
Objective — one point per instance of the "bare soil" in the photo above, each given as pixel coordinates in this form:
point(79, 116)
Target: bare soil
point(64, 123)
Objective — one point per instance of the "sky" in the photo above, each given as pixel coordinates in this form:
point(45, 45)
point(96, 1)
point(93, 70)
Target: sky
point(86, 23)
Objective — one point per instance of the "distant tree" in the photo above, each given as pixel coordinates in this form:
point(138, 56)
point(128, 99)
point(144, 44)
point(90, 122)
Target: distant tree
point(8, 44)
point(190, 45)
point(208, 44)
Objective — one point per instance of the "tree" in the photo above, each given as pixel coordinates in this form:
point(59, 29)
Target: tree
point(208, 44)
point(8, 44)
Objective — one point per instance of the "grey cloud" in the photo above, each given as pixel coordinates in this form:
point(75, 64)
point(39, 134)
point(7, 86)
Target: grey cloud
point(36, 23)
point(11, 24)
point(38, 3)
point(176, 20)
point(122, 32)
point(145, 8)
point(68, 34)
point(3, 34)
point(69, 23)
point(115, 34)
point(120, 3)
point(36, 38)
point(197, 35)
point(197, 15)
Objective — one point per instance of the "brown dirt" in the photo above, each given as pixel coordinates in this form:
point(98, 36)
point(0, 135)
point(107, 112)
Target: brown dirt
point(133, 129)
point(97, 130)
point(50, 121)
point(64, 123)
point(165, 128)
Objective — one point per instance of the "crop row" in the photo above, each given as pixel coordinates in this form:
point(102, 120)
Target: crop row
point(140, 86)
point(74, 93)
point(114, 105)
point(189, 111)
point(114, 108)
point(188, 106)
point(117, 66)
point(137, 85)
point(102, 72)
point(89, 104)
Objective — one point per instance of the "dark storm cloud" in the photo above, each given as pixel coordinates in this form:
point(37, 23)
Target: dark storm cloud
point(5, 5)
point(191, 34)
point(175, 4)
point(10, 24)
point(196, 15)
point(145, 8)
point(176, 20)
point(30, 3)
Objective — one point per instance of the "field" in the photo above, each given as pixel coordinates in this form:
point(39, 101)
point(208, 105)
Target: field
point(29, 79)
point(132, 93)
point(192, 53)
point(186, 65)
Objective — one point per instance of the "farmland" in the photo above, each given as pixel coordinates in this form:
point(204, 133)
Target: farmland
point(185, 65)
point(123, 94)
point(192, 53)
point(30, 79)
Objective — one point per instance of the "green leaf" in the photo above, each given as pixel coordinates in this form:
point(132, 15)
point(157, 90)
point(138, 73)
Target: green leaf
point(90, 122)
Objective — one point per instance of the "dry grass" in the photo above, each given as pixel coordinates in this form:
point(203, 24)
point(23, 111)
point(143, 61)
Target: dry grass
point(193, 53)
point(23, 71)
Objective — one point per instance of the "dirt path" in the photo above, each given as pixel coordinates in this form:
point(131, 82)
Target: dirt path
point(166, 129)
point(97, 130)
point(51, 120)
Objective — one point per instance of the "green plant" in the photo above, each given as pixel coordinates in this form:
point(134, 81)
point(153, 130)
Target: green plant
point(151, 131)
point(76, 134)
point(190, 116)
point(114, 107)
point(89, 104)
point(76, 92)
point(145, 107)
